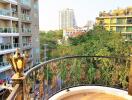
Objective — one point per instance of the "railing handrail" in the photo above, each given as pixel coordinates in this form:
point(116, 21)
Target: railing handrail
point(69, 57)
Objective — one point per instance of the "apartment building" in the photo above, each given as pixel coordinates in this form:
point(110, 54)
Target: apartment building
point(119, 20)
point(19, 28)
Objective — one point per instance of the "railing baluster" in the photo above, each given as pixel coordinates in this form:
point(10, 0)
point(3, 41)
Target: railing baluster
point(130, 77)
point(77, 70)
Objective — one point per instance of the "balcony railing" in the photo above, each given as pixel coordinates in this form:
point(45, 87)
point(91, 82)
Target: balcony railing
point(4, 64)
point(11, 0)
point(27, 44)
point(8, 30)
point(5, 12)
point(26, 17)
point(50, 77)
point(26, 30)
point(26, 2)
point(8, 46)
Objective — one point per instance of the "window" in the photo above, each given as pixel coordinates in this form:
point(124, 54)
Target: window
point(129, 21)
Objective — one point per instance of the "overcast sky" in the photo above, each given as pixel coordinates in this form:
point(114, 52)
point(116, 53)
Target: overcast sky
point(84, 10)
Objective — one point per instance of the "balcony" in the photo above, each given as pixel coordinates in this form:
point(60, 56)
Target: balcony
point(10, 1)
point(26, 30)
point(26, 17)
point(8, 47)
point(4, 66)
point(6, 14)
point(27, 45)
point(26, 3)
point(77, 78)
point(9, 31)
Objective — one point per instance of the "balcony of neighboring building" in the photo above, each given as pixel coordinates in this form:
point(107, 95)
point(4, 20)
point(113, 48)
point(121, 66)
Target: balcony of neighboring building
point(27, 45)
point(25, 4)
point(26, 28)
point(121, 21)
point(9, 1)
point(26, 31)
point(9, 28)
point(26, 42)
point(9, 12)
point(120, 29)
point(36, 6)
point(4, 66)
point(9, 31)
point(8, 44)
point(8, 47)
point(26, 18)
point(129, 29)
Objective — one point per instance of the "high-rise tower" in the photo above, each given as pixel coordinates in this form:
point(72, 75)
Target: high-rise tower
point(67, 19)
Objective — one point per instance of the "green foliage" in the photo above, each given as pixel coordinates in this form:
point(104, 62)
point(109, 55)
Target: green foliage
point(98, 42)
point(49, 38)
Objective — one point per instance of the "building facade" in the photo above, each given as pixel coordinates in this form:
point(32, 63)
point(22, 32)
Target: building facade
point(119, 20)
point(67, 19)
point(19, 28)
point(74, 32)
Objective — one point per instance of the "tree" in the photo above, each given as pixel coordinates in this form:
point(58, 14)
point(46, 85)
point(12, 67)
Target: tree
point(50, 38)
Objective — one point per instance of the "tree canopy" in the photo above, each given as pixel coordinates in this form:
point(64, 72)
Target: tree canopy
point(97, 41)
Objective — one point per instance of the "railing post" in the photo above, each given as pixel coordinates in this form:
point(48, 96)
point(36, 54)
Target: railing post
point(130, 76)
point(20, 93)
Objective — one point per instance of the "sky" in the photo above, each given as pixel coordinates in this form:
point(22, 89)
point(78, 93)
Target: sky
point(84, 10)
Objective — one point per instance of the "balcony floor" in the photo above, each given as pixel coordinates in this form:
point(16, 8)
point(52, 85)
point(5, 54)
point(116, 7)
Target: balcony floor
point(93, 96)
point(91, 93)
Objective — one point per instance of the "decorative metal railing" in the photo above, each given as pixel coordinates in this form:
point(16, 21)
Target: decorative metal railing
point(52, 76)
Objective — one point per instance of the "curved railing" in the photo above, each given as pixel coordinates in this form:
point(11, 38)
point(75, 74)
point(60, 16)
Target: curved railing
point(52, 76)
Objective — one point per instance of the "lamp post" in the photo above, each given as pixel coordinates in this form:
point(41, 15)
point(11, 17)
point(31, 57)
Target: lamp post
point(45, 51)
point(18, 63)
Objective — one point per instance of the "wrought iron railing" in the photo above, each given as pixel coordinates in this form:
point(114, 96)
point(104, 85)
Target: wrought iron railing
point(52, 76)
